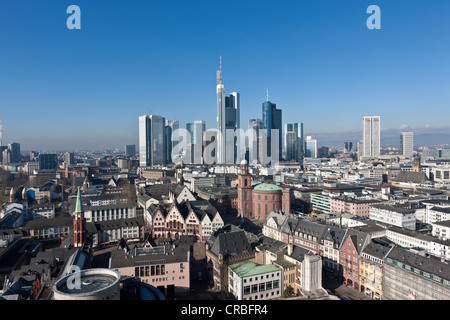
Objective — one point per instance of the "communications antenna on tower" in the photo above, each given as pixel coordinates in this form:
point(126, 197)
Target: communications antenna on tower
point(267, 94)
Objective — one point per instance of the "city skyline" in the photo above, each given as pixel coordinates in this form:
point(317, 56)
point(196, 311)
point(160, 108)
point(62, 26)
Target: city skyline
point(79, 86)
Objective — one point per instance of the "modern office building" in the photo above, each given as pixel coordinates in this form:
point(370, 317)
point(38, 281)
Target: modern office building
point(130, 150)
point(171, 137)
point(152, 142)
point(196, 130)
point(310, 147)
point(293, 141)
point(69, 159)
point(371, 137)
point(228, 117)
point(11, 154)
point(254, 125)
point(271, 122)
point(48, 161)
point(407, 144)
point(249, 281)
point(348, 146)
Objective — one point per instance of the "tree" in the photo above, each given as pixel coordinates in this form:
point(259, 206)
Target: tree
point(288, 292)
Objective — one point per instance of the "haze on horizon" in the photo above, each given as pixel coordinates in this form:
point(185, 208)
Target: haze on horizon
point(85, 89)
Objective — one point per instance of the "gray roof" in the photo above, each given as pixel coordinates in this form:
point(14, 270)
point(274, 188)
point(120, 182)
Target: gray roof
point(428, 264)
point(298, 253)
point(334, 234)
point(272, 245)
point(311, 228)
point(283, 263)
point(48, 223)
point(440, 209)
point(159, 191)
point(166, 253)
point(376, 250)
point(231, 243)
point(359, 239)
point(202, 208)
point(400, 210)
point(410, 176)
point(120, 223)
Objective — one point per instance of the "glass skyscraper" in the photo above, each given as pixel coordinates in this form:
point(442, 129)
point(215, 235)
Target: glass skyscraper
point(310, 147)
point(152, 142)
point(228, 117)
point(293, 141)
point(272, 120)
point(48, 161)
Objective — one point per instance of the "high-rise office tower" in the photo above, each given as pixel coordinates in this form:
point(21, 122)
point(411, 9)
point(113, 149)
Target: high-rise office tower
point(254, 125)
point(310, 147)
point(293, 141)
point(407, 144)
point(196, 130)
point(15, 152)
point(2, 148)
point(348, 146)
point(48, 161)
point(152, 142)
point(6, 156)
point(130, 150)
point(69, 159)
point(371, 137)
point(228, 117)
point(171, 137)
point(271, 121)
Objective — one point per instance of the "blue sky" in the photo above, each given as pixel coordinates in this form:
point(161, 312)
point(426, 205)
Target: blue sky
point(84, 89)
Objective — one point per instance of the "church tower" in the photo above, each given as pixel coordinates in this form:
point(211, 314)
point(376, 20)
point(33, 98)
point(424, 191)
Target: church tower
point(245, 191)
point(79, 223)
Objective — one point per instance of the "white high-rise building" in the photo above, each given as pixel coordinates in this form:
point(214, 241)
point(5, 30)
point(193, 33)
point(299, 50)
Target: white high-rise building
point(310, 147)
point(371, 137)
point(407, 144)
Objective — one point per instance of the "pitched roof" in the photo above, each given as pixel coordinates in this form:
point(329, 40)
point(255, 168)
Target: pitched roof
point(410, 176)
point(231, 243)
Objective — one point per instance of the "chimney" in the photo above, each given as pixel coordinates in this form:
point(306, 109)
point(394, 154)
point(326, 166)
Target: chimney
point(290, 249)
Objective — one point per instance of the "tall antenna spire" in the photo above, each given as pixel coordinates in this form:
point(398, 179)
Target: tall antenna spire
point(267, 94)
point(220, 62)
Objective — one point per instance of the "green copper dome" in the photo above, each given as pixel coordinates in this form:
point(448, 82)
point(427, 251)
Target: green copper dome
point(267, 187)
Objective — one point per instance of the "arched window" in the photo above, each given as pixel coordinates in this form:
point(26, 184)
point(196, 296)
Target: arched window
point(266, 208)
point(274, 207)
point(245, 182)
point(245, 194)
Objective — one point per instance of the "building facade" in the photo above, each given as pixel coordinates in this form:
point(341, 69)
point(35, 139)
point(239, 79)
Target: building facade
point(371, 137)
point(249, 281)
point(152, 142)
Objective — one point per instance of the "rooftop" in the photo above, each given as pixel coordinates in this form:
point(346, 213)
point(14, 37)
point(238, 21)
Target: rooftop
point(267, 187)
point(249, 269)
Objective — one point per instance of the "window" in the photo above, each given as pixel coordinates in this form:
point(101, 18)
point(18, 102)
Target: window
point(254, 288)
point(269, 285)
point(262, 287)
point(247, 290)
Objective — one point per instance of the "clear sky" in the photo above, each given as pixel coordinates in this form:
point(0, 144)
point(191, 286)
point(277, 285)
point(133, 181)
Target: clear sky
point(84, 89)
